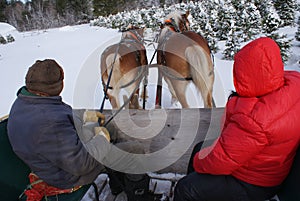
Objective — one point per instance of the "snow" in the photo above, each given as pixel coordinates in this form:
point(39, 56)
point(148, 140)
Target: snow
point(78, 49)
point(6, 29)
point(69, 46)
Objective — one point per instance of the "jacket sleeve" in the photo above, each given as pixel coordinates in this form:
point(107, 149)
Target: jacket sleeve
point(62, 146)
point(241, 139)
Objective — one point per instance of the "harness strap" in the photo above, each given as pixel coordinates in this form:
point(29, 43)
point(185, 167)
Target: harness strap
point(166, 73)
point(134, 46)
point(138, 77)
point(37, 189)
point(172, 25)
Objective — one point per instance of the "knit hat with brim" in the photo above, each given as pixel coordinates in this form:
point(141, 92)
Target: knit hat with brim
point(45, 77)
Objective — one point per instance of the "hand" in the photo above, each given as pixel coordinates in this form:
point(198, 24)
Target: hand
point(102, 131)
point(93, 116)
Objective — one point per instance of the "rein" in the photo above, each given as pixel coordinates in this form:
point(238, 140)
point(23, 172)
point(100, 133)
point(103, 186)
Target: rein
point(108, 80)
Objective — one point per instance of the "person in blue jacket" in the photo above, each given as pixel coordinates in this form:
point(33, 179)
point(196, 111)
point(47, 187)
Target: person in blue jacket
point(55, 143)
point(42, 133)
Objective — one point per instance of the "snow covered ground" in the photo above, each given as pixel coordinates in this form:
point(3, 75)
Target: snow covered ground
point(78, 50)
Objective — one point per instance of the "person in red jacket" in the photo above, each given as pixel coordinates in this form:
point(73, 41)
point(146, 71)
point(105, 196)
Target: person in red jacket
point(260, 135)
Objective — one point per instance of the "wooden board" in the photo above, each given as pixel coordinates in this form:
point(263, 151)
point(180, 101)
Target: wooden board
point(161, 128)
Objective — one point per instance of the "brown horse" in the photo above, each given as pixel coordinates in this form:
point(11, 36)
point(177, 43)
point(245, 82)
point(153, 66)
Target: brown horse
point(184, 56)
point(122, 67)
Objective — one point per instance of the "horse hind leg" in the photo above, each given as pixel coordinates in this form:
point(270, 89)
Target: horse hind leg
point(132, 89)
point(180, 88)
point(171, 89)
point(113, 101)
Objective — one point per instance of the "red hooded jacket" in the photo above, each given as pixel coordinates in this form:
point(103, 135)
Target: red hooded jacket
point(261, 132)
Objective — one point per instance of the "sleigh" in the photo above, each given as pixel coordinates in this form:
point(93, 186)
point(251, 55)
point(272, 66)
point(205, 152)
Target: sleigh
point(14, 173)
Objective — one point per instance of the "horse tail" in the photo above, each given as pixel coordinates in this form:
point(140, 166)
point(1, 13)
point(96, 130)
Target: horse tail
point(202, 73)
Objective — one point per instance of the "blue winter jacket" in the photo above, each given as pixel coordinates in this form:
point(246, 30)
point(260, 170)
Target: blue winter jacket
point(42, 133)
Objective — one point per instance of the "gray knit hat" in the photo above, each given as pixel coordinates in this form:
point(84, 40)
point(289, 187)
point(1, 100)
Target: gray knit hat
point(45, 76)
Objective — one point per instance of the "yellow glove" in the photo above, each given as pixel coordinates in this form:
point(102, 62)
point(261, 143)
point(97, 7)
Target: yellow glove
point(93, 116)
point(102, 131)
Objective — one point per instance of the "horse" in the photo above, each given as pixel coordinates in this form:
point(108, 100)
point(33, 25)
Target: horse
point(122, 66)
point(183, 56)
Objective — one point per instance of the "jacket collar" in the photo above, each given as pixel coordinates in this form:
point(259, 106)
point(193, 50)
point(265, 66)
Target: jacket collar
point(23, 90)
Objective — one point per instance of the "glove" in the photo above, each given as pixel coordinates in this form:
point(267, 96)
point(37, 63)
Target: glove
point(102, 131)
point(93, 116)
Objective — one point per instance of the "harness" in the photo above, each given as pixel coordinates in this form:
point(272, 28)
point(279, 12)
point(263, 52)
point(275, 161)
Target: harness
point(135, 44)
point(173, 26)
point(171, 23)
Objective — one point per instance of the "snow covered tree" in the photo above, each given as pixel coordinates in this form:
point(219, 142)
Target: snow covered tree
point(251, 23)
point(210, 36)
point(270, 25)
point(283, 43)
point(226, 14)
point(2, 40)
point(232, 43)
point(107, 7)
point(239, 15)
point(297, 35)
point(10, 38)
point(270, 19)
point(286, 11)
point(262, 6)
point(199, 17)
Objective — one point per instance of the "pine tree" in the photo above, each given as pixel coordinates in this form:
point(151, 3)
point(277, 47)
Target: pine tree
point(286, 11)
point(2, 40)
point(297, 35)
point(239, 15)
point(82, 9)
point(270, 25)
point(210, 30)
point(283, 43)
point(3, 5)
point(199, 17)
point(251, 22)
point(61, 6)
point(210, 36)
point(270, 19)
point(226, 14)
point(232, 44)
point(107, 7)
